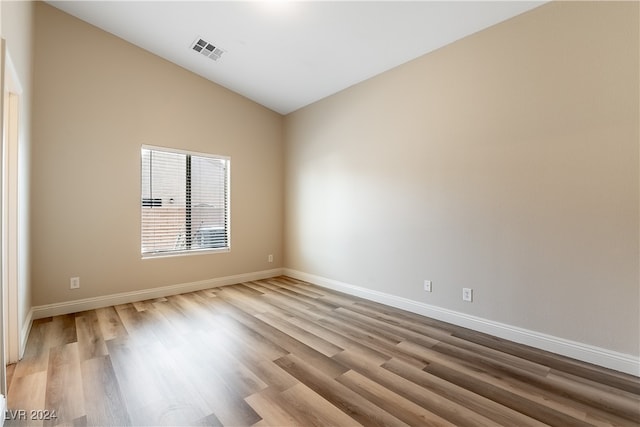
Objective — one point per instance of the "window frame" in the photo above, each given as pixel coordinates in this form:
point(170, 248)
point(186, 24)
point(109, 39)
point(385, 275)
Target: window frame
point(141, 204)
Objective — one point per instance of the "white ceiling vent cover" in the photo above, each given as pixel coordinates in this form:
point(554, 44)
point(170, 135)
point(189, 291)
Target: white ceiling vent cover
point(207, 49)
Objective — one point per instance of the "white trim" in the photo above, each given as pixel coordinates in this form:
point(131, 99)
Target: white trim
point(67, 307)
point(177, 253)
point(187, 152)
point(3, 409)
point(587, 353)
point(12, 90)
point(24, 332)
point(12, 82)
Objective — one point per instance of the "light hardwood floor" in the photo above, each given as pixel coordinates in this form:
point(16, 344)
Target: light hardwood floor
point(281, 352)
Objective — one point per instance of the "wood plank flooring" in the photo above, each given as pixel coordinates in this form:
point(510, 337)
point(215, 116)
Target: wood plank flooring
point(282, 352)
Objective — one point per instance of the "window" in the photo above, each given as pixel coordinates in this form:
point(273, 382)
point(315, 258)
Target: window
point(185, 202)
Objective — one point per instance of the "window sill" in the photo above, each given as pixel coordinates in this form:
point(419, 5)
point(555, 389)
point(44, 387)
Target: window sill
point(173, 254)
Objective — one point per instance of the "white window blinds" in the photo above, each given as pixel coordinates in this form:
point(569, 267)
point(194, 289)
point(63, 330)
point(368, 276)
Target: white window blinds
point(185, 202)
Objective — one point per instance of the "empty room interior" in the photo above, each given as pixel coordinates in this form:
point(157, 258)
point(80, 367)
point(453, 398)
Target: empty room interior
point(320, 213)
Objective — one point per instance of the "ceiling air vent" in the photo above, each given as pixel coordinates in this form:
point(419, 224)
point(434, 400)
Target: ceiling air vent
point(207, 49)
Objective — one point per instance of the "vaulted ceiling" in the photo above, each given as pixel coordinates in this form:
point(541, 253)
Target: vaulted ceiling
point(287, 54)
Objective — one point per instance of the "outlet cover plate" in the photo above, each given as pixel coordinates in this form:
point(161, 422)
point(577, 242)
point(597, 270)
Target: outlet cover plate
point(427, 285)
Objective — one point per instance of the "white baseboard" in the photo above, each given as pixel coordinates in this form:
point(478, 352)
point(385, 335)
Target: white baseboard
point(599, 356)
point(76, 306)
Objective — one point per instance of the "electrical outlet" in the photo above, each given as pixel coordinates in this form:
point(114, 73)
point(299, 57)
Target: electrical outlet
point(427, 285)
point(74, 283)
point(467, 294)
point(270, 258)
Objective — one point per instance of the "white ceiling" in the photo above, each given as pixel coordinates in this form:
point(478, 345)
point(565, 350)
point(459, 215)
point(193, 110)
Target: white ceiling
point(285, 54)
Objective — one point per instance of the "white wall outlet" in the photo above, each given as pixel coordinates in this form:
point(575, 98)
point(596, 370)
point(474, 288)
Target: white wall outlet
point(427, 285)
point(467, 294)
point(270, 258)
point(74, 283)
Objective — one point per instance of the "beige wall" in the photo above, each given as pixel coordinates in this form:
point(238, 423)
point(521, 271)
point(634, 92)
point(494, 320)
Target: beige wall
point(97, 100)
point(17, 30)
point(506, 162)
